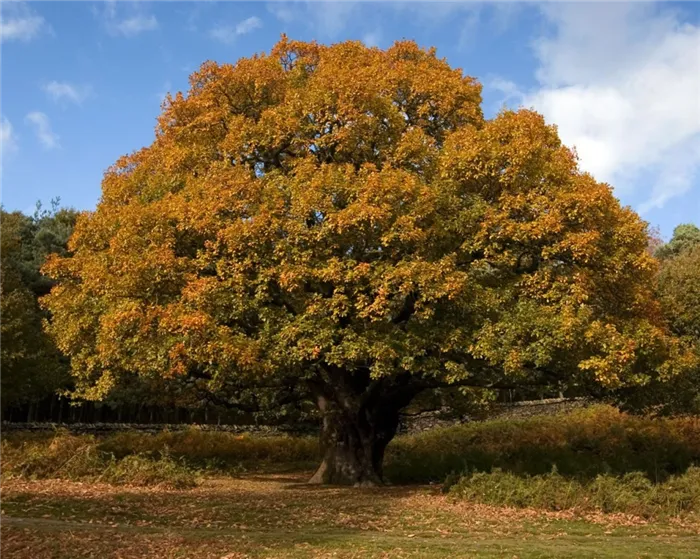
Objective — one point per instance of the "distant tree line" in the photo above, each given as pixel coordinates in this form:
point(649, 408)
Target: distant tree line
point(678, 291)
point(32, 366)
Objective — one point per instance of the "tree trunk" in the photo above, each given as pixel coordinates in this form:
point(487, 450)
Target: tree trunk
point(353, 442)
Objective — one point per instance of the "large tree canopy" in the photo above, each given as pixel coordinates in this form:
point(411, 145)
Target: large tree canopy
point(341, 221)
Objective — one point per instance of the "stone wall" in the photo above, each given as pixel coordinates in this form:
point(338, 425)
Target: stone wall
point(409, 424)
point(516, 410)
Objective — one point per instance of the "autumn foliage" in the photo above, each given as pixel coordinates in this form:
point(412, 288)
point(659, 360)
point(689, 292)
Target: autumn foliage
point(342, 222)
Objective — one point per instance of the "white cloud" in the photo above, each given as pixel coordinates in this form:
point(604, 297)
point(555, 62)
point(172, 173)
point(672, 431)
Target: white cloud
point(42, 128)
point(223, 34)
point(116, 23)
point(248, 25)
point(20, 23)
point(622, 83)
point(134, 25)
point(59, 91)
point(8, 140)
point(228, 33)
point(620, 80)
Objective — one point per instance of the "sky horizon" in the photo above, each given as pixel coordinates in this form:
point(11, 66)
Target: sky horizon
point(82, 82)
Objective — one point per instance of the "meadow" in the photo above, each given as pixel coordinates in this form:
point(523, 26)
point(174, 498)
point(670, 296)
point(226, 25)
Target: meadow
point(591, 483)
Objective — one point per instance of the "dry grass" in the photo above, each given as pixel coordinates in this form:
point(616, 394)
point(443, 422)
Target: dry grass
point(582, 444)
point(280, 516)
point(55, 502)
point(66, 456)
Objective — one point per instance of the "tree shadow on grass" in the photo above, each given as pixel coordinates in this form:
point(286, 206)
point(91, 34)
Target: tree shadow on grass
point(251, 503)
point(277, 512)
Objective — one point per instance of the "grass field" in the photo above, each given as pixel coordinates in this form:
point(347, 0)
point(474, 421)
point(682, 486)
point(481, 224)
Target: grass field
point(605, 484)
point(277, 515)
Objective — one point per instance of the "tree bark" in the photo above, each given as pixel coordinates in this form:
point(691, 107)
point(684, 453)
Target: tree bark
point(353, 441)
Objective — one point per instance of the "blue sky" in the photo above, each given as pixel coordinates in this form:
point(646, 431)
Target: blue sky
point(82, 82)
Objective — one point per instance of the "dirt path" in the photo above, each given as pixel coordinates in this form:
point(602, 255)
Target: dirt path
point(280, 516)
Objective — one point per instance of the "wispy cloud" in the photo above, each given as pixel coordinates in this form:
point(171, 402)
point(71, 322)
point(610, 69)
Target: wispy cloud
point(8, 141)
point(42, 128)
point(229, 33)
point(248, 25)
point(7, 135)
point(20, 23)
point(135, 25)
point(117, 23)
point(508, 91)
point(60, 91)
point(283, 11)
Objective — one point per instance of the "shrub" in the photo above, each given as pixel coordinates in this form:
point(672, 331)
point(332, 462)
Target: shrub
point(73, 457)
point(144, 458)
point(216, 450)
point(632, 493)
point(138, 469)
point(583, 443)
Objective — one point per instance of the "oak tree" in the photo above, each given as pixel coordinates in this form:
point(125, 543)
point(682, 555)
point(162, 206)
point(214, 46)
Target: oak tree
point(342, 222)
